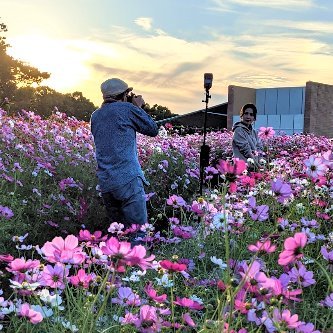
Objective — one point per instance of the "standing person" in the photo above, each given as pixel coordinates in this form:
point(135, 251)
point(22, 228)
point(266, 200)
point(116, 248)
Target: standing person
point(114, 126)
point(245, 140)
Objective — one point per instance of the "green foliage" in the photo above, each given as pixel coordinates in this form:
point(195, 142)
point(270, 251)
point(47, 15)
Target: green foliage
point(158, 112)
point(45, 101)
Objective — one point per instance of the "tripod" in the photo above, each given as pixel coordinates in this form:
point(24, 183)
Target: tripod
point(205, 149)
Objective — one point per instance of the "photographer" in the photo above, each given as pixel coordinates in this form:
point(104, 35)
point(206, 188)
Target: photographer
point(114, 126)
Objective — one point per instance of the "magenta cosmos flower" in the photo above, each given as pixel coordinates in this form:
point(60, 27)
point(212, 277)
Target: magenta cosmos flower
point(172, 266)
point(292, 249)
point(234, 168)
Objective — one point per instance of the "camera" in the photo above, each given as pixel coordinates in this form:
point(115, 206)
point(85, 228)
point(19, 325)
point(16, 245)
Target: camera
point(129, 98)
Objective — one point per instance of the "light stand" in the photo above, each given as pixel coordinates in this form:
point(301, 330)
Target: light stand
point(205, 149)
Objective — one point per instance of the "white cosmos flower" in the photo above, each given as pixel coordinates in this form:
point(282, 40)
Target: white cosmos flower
point(219, 262)
point(164, 281)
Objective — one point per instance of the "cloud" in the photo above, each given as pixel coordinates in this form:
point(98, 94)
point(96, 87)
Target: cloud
point(144, 22)
point(228, 5)
point(168, 70)
point(305, 26)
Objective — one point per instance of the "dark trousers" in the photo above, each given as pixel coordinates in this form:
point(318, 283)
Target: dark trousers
point(127, 204)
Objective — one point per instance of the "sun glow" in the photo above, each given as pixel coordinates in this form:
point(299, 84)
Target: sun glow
point(64, 60)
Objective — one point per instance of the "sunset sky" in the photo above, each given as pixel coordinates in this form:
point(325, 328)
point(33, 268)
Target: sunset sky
point(163, 47)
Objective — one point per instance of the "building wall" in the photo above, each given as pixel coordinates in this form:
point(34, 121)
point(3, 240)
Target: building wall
point(281, 108)
point(237, 97)
point(318, 117)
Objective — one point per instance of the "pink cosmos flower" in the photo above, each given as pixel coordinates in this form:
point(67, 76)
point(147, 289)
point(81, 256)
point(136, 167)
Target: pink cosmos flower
point(176, 201)
point(6, 258)
point(172, 266)
point(118, 251)
point(137, 257)
point(188, 303)
point(315, 167)
point(250, 272)
point(292, 249)
point(54, 277)
point(151, 292)
point(148, 320)
point(277, 287)
point(64, 250)
point(21, 266)
point(328, 158)
point(202, 207)
point(81, 278)
point(33, 316)
point(266, 132)
point(286, 318)
point(96, 237)
point(188, 320)
point(122, 254)
point(265, 247)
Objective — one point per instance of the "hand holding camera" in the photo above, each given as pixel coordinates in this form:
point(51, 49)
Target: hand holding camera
point(136, 100)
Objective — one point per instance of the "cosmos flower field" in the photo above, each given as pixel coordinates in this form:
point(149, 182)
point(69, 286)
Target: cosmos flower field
point(253, 253)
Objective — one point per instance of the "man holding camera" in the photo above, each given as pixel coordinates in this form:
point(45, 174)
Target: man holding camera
point(114, 126)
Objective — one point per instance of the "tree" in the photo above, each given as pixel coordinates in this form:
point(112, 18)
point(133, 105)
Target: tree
point(44, 101)
point(15, 73)
point(16, 84)
point(158, 112)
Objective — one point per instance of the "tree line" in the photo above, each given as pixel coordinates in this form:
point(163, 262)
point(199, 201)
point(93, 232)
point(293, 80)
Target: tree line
point(20, 88)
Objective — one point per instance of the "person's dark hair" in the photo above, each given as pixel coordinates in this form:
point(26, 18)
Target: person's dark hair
point(120, 96)
point(249, 106)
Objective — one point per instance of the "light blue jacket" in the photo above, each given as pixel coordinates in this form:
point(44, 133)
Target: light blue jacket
point(114, 126)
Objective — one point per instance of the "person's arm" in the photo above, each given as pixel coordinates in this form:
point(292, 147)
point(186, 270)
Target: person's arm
point(142, 121)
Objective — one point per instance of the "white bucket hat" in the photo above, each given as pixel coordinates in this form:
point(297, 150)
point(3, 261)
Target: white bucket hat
point(114, 87)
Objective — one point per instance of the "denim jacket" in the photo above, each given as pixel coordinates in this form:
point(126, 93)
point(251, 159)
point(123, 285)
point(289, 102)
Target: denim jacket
point(114, 126)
